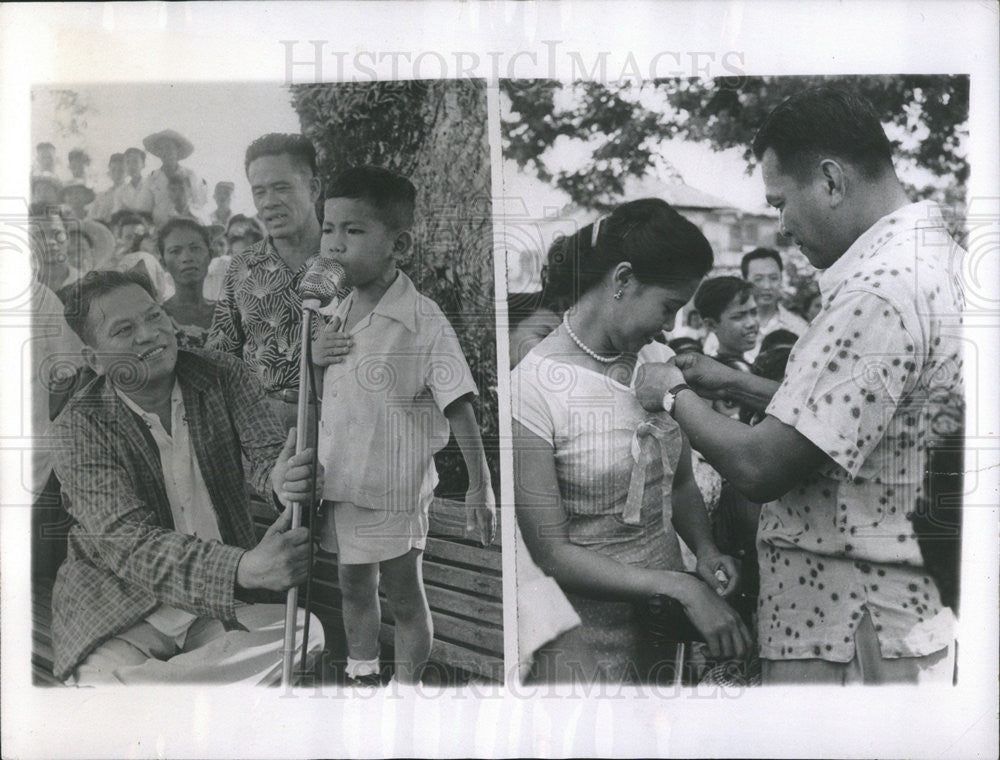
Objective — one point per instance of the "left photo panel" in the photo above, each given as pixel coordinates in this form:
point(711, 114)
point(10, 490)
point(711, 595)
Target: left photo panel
point(263, 373)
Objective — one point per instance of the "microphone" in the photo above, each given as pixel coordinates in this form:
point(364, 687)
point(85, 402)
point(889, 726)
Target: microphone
point(321, 283)
point(319, 286)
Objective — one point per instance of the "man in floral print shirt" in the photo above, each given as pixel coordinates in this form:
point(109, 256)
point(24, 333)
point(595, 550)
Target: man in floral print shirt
point(839, 459)
point(259, 314)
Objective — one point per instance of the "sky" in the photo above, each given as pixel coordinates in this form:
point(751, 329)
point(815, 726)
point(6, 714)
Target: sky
point(221, 119)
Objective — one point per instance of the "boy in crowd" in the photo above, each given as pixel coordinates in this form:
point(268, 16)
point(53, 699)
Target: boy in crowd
point(395, 380)
point(727, 306)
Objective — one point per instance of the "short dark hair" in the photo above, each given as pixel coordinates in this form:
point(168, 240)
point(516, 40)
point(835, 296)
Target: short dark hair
point(298, 147)
point(771, 362)
point(178, 223)
point(661, 245)
point(392, 195)
point(756, 255)
point(116, 158)
point(46, 145)
point(138, 151)
point(779, 337)
point(95, 285)
point(253, 225)
point(126, 216)
point(686, 345)
point(825, 121)
point(714, 295)
point(79, 153)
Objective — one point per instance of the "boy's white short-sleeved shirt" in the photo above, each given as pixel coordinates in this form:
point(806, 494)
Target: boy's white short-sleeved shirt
point(382, 416)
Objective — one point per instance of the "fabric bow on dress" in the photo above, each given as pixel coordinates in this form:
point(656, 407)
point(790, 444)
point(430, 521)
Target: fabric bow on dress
point(649, 437)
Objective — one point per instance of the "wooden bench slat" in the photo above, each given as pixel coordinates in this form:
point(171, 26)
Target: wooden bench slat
point(482, 611)
point(465, 659)
point(485, 560)
point(460, 578)
point(442, 601)
point(472, 582)
point(447, 518)
point(463, 632)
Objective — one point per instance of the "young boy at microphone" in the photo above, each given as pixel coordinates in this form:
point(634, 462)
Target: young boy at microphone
point(395, 383)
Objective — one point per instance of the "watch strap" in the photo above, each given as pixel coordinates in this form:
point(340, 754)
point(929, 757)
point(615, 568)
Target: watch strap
point(670, 397)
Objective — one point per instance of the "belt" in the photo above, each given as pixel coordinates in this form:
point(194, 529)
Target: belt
point(288, 395)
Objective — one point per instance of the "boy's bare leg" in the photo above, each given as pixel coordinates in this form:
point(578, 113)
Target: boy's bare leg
point(403, 583)
point(359, 592)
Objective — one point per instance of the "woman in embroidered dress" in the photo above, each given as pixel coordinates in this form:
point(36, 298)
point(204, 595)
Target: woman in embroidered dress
point(603, 488)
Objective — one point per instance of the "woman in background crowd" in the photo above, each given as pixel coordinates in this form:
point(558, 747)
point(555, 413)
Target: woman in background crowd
point(184, 247)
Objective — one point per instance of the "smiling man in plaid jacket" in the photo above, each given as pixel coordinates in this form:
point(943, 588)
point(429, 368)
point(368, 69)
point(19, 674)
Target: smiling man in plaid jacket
point(150, 458)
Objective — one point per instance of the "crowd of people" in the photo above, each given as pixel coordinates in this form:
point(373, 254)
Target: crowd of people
point(766, 471)
point(175, 393)
point(126, 226)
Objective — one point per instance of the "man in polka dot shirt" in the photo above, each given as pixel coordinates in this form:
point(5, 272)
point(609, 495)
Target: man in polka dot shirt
point(839, 459)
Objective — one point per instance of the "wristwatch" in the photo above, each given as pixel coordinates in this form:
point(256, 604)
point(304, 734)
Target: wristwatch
point(671, 396)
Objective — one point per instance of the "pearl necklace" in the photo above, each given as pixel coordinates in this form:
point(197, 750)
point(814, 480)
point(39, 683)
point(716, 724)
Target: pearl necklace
point(584, 347)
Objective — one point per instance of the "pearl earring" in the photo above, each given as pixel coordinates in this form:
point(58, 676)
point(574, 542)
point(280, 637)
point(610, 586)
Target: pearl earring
point(618, 295)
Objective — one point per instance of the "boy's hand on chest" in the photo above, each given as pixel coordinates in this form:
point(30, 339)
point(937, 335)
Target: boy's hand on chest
point(332, 345)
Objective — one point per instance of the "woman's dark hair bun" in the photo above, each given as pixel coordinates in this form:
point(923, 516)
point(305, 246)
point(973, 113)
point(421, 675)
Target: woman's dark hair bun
point(660, 244)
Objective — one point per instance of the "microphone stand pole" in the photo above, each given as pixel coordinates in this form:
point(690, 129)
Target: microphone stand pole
point(301, 442)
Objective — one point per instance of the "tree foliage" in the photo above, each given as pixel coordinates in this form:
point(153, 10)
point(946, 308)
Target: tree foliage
point(929, 112)
point(433, 132)
point(71, 110)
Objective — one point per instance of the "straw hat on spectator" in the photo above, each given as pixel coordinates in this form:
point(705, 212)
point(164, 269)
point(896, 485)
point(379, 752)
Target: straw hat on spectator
point(101, 241)
point(152, 143)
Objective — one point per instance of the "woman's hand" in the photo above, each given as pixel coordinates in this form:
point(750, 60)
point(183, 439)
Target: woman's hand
point(718, 622)
point(720, 571)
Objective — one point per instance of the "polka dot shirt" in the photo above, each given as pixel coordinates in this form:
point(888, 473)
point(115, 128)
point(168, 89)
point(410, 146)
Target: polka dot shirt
point(864, 384)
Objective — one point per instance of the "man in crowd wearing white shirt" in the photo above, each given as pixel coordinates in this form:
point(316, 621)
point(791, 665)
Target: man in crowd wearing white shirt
point(171, 148)
point(763, 269)
point(109, 201)
point(79, 167)
point(223, 197)
point(45, 159)
point(134, 194)
point(853, 589)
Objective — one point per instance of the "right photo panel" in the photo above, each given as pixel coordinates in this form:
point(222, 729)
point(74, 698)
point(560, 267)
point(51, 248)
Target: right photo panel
point(736, 382)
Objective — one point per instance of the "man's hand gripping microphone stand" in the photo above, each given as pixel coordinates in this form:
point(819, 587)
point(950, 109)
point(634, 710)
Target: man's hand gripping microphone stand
point(318, 288)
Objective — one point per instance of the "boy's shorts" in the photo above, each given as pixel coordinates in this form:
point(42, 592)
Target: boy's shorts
point(362, 536)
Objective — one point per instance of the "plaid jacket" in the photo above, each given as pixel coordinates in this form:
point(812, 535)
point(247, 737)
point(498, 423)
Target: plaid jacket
point(124, 556)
